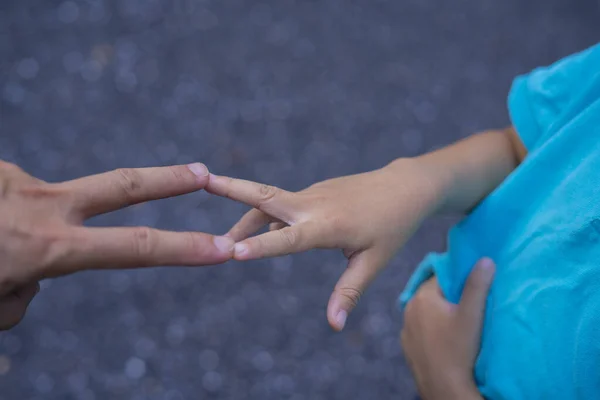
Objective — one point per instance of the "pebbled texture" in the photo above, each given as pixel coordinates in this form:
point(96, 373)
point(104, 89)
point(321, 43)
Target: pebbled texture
point(285, 92)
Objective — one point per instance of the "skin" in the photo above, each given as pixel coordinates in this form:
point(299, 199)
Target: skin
point(441, 340)
point(368, 216)
point(41, 232)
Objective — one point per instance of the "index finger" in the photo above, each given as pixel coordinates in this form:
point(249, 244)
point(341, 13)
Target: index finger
point(98, 194)
point(268, 199)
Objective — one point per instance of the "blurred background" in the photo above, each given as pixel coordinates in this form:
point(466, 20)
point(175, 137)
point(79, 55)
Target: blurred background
point(284, 92)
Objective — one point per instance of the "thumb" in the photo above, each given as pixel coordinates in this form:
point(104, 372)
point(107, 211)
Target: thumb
point(362, 269)
point(475, 292)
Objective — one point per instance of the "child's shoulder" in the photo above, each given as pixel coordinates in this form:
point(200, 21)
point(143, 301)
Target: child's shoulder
point(541, 99)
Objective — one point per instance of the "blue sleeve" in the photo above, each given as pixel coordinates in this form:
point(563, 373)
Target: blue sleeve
point(538, 100)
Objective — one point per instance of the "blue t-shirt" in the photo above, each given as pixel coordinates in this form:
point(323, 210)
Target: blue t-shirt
point(541, 334)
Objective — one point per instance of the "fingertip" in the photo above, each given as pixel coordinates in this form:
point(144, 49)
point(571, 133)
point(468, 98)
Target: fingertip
point(336, 316)
point(333, 323)
point(487, 266)
point(201, 172)
point(486, 263)
point(241, 252)
point(340, 319)
point(198, 169)
point(224, 244)
point(334, 326)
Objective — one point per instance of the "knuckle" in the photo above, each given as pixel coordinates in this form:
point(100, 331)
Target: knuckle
point(191, 242)
point(45, 191)
point(143, 242)
point(267, 192)
point(130, 181)
point(54, 246)
point(178, 173)
point(289, 237)
point(351, 294)
point(191, 249)
point(37, 250)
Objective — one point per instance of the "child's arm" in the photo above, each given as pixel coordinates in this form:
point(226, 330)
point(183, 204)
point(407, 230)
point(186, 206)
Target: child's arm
point(371, 215)
point(441, 340)
point(464, 173)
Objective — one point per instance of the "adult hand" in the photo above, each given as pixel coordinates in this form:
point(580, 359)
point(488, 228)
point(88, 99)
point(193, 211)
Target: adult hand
point(441, 340)
point(369, 216)
point(14, 305)
point(41, 232)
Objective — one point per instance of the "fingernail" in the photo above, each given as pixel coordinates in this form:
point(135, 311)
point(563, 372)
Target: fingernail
point(198, 169)
point(488, 268)
point(340, 318)
point(240, 250)
point(486, 263)
point(225, 245)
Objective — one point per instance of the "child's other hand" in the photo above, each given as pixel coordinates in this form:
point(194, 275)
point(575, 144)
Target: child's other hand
point(441, 340)
point(369, 216)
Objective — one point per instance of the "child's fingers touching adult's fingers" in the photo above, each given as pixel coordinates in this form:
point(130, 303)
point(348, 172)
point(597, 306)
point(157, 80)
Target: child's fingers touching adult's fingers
point(276, 202)
point(249, 224)
point(291, 239)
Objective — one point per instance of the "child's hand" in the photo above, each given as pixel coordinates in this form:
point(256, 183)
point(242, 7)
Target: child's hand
point(369, 216)
point(441, 340)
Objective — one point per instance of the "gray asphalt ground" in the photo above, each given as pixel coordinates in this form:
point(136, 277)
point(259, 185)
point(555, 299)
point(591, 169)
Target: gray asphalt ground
point(284, 92)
